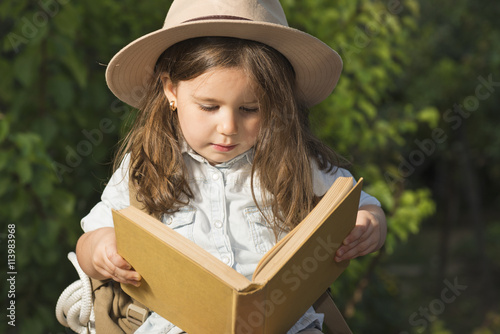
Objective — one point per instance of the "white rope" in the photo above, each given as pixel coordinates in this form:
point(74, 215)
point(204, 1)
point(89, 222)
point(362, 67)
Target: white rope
point(74, 308)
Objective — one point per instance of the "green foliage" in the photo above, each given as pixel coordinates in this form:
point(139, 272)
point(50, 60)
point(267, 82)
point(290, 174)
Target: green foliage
point(403, 69)
point(58, 127)
point(40, 209)
point(405, 66)
point(360, 119)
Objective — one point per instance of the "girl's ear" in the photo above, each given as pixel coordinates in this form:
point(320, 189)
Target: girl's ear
point(169, 89)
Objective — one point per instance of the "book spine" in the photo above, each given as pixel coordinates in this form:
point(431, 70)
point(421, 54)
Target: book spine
point(249, 312)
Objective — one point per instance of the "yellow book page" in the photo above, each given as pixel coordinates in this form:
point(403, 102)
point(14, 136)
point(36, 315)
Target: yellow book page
point(272, 252)
point(284, 249)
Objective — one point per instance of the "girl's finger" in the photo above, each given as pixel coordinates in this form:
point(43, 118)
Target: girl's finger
point(355, 234)
point(361, 233)
point(121, 275)
point(361, 247)
point(118, 261)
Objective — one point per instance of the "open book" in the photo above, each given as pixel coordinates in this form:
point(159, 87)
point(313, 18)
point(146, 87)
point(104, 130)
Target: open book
point(200, 294)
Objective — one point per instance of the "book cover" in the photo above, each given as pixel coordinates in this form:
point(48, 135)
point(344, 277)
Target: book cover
point(194, 290)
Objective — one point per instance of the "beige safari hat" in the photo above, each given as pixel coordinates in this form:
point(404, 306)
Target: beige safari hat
point(317, 66)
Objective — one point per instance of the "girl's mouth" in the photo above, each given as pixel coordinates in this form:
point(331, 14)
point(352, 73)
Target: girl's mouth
point(223, 148)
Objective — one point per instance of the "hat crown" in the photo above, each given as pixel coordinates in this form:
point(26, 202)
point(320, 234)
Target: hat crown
point(317, 67)
point(183, 11)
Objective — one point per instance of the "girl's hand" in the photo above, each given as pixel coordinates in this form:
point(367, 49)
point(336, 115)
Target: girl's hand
point(98, 257)
point(367, 236)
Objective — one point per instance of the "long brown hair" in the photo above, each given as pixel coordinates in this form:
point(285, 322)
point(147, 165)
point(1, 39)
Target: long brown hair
point(283, 148)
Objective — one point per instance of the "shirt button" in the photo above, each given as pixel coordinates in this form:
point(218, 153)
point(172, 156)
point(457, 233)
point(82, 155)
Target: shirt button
point(215, 177)
point(218, 224)
point(226, 259)
point(169, 221)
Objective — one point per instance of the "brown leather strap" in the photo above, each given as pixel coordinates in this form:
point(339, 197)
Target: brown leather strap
point(334, 322)
point(132, 192)
point(116, 312)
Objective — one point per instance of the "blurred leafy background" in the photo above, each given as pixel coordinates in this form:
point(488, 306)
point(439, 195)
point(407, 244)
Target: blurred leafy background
point(415, 111)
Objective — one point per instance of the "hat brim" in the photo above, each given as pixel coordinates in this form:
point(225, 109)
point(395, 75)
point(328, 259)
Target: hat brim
point(317, 66)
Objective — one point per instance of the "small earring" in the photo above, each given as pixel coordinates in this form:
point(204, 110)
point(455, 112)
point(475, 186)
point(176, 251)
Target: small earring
point(172, 106)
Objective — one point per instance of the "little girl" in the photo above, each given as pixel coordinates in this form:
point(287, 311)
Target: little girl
point(221, 149)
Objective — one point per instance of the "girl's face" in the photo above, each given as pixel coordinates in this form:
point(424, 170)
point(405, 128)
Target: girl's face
point(218, 112)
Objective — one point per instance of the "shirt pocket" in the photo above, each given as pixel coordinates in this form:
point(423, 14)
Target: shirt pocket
point(261, 233)
point(181, 221)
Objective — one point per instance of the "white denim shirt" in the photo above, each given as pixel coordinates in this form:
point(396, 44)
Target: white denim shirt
point(222, 218)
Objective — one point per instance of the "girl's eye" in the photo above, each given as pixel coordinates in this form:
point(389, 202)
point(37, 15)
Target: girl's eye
point(250, 110)
point(208, 108)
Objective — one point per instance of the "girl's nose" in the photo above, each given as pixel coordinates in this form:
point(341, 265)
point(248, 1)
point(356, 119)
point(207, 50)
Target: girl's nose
point(228, 124)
